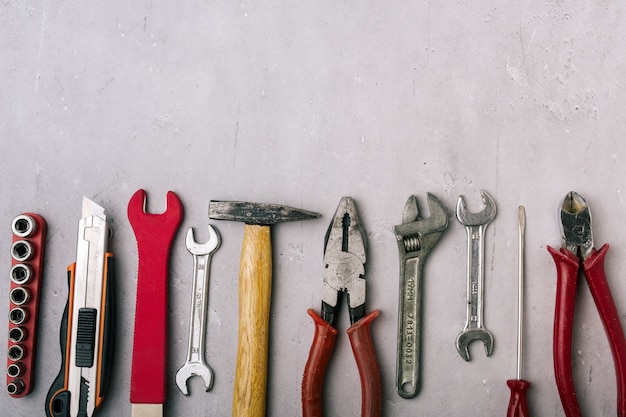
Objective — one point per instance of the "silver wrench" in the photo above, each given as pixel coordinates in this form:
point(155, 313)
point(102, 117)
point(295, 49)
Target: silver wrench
point(475, 225)
point(416, 237)
point(195, 364)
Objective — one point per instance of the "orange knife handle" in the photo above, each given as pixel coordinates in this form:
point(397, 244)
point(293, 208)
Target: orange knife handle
point(567, 265)
point(363, 348)
point(593, 268)
point(313, 380)
point(58, 397)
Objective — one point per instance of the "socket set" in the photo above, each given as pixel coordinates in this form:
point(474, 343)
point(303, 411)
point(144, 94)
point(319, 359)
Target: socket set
point(27, 252)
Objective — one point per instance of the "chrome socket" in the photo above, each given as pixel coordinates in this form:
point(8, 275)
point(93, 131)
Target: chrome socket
point(17, 334)
point(19, 296)
point(18, 315)
point(16, 387)
point(15, 369)
point(21, 250)
point(24, 226)
point(21, 274)
point(16, 353)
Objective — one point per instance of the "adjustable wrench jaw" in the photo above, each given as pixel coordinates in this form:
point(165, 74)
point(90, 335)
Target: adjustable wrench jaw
point(417, 236)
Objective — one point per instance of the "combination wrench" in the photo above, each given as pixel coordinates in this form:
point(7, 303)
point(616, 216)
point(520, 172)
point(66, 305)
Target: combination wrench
point(475, 225)
point(196, 365)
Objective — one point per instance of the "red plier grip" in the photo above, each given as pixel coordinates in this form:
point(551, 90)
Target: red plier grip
point(321, 349)
point(567, 265)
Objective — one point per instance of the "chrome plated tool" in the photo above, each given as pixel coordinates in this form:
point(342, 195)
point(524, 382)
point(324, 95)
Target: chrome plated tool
point(475, 225)
point(196, 365)
point(416, 237)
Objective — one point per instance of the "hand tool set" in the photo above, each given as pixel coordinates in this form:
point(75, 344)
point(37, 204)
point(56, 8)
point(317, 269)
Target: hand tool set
point(87, 327)
point(27, 252)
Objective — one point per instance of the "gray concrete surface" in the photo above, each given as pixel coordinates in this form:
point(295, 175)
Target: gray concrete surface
point(302, 103)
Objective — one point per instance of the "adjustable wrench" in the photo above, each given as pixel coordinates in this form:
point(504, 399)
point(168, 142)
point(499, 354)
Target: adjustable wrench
point(416, 237)
point(195, 364)
point(475, 225)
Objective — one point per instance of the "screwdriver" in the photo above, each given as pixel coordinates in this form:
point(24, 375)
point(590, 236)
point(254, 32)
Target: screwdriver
point(518, 407)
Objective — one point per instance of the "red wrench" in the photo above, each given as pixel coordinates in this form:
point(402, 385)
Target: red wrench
point(154, 233)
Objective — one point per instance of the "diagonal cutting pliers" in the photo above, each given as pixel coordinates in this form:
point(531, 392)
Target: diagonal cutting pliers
point(344, 259)
point(578, 250)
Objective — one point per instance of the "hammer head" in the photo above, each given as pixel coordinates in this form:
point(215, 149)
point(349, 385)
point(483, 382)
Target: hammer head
point(256, 213)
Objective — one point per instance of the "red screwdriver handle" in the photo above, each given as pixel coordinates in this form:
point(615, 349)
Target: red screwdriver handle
point(363, 348)
point(518, 406)
point(567, 277)
point(322, 347)
point(593, 268)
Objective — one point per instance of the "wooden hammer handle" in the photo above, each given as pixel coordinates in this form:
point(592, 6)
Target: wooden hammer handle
point(255, 288)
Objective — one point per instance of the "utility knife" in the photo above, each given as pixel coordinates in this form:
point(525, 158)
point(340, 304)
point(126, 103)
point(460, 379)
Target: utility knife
point(87, 323)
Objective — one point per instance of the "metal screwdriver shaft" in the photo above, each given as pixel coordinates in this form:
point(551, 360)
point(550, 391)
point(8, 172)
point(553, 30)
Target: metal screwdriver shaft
point(518, 407)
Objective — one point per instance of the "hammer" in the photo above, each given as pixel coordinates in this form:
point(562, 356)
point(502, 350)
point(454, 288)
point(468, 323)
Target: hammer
point(255, 287)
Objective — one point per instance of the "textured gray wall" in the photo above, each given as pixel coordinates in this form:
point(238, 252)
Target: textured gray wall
point(301, 103)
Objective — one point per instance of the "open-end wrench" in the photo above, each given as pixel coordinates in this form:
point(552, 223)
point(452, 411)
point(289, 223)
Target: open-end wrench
point(195, 364)
point(154, 233)
point(416, 237)
point(475, 225)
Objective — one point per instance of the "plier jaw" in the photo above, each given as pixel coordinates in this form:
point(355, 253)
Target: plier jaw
point(344, 259)
point(576, 225)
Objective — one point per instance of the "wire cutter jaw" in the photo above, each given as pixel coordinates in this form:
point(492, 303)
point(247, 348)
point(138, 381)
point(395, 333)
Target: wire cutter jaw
point(344, 259)
point(576, 225)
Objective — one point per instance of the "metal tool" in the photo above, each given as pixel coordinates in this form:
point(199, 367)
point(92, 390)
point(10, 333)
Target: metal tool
point(154, 234)
point(87, 323)
point(475, 225)
point(416, 237)
point(518, 406)
point(255, 287)
point(196, 365)
point(344, 257)
point(24, 301)
point(578, 250)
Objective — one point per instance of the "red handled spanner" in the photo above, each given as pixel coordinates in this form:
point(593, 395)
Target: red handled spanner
point(154, 233)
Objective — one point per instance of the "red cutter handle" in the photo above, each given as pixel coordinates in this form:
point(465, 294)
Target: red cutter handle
point(321, 349)
point(363, 348)
point(567, 265)
point(593, 268)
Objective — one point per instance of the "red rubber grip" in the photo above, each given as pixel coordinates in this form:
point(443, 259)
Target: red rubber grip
point(363, 348)
point(567, 265)
point(593, 268)
point(313, 380)
point(518, 405)
point(154, 233)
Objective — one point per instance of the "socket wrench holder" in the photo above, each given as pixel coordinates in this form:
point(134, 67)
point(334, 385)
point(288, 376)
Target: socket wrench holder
point(27, 252)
